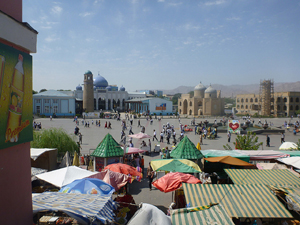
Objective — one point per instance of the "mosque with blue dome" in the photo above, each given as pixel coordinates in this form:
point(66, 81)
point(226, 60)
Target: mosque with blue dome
point(206, 101)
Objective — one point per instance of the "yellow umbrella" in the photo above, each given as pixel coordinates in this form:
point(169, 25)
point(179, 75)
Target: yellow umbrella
point(76, 159)
point(198, 146)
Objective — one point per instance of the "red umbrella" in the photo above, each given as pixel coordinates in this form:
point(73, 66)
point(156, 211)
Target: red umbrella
point(125, 169)
point(131, 150)
point(173, 181)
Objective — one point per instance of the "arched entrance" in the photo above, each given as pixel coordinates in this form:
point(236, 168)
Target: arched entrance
point(184, 108)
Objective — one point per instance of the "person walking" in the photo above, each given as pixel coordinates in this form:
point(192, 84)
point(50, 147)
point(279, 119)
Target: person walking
point(161, 136)
point(80, 138)
point(149, 144)
point(268, 141)
point(130, 130)
point(150, 174)
point(154, 135)
point(201, 139)
point(228, 136)
point(282, 137)
point(142, 164)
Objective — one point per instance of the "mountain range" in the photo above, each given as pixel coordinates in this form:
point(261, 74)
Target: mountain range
point(233, 90)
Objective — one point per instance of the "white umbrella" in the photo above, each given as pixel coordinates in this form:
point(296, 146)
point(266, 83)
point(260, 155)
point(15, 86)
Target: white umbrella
point(288, 146)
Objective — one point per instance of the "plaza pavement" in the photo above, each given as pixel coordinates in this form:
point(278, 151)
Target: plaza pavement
point(140, 190)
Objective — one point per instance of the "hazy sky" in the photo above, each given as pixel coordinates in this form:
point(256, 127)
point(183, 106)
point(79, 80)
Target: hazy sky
point(162, 44)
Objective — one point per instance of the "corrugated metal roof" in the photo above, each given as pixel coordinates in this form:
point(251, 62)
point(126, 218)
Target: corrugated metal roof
point(242, 201)
point(108, 147)
point(213, 215)
point(52, 93)
point(267, 177)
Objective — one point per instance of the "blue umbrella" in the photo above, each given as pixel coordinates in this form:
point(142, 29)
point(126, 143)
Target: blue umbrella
point(88, 186)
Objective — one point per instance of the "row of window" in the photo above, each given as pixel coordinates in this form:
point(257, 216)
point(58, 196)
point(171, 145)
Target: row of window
point(47, 101)
point(46, 109)
point(191, 103)
point(272, 107)
point(278, 99)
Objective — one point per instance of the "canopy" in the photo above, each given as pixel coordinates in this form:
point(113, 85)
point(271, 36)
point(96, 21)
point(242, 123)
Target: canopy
point(117, 180)
point(175, 165)
point(242, 201)
point(288, 146)
point(36, 171)
point(262, 155)
point(36, 152)
point(84, 208)
point(216, 153)
point(125, 169)
point(88, 186)
point(64, 176)
point(140, 135)
point(210, 215)
point(108, 147)
point(290, 153)
point(291, 161)
point(270, 166)
point(66, 161)
point(131, 150)
point(186, 149)
point(173, 181)
point(229, 160)
point(149, 215)
point(266, 177)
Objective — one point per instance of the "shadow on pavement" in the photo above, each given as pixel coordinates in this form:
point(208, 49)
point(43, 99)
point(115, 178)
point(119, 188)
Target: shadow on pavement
point(162, 208)
point(135, 187)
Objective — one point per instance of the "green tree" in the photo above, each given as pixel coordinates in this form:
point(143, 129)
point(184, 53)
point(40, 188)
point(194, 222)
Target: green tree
point(191, 93)
point(245, 142)
point(175, 98)
point(54, 138)
point(298, 144)
point(43, 90)
point(34, 92)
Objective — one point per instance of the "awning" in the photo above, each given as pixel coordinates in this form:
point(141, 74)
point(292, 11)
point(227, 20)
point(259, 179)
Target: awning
point(83, 207)
point(243, 201)
point(217, 153)
point(214, 215)
point(36, 152)
point(291, 161)
point(268, 177)
point(228, 160)
point(262, 155)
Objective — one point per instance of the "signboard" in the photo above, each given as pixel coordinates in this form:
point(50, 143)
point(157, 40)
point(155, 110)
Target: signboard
point(162, 106)
point(99, 164)
point(233, 126)
point(15, 97)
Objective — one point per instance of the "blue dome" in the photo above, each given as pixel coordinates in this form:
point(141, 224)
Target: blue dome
point(100, 82)
point(108, 88)
point(79, 88)
point(122, 88)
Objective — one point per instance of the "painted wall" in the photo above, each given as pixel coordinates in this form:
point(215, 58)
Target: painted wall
point(158, 105)
point(15, 188)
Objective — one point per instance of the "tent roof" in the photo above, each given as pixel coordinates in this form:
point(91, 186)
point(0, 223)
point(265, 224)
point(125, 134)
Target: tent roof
point(268, 177)
point(214, 215)
point(217, 153)
point(243, 201)
point(79, 206)
point(291, 153)
point(292, 161)
point(229, 160)
point(108, 147)
point(262, 155)
point(36, 152)
point(64, 176)
point(186, 150)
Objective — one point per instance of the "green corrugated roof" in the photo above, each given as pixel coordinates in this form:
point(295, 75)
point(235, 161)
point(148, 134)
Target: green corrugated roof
point(108, 147)
point(186, 150)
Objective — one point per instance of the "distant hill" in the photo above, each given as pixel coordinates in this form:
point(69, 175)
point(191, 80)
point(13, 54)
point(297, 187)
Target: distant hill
point(233, 90)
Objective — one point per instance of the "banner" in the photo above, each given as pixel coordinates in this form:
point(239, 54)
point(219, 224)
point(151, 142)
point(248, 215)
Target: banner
point(15, 97)
point(162, 106)
point(233, 126)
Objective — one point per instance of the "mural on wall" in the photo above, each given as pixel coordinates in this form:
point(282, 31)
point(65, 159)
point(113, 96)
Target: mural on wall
point(15, 97)
point(162, 106)
point(233, 126)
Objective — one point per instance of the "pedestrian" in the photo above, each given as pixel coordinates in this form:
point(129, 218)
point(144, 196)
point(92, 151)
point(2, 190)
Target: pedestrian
point(149, 144)
point(131, 144)
point(282, 137)
point(105, 126)
point(161, 136)
point(139, 123)
point(142, 165)
point(80, 138)
point(268, 141)
point(130, 130)
point(228, 136)
point(201, 139)
point(150, 174)
point(154, 135)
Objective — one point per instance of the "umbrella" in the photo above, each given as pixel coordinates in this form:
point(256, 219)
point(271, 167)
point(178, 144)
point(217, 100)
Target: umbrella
point(175, 165)
point(288, 146)
point(229, 160)
point(117, 180)
point(130, 150)
point(140, 135)
point(88, 186)
point(173, 181)
point(125, 169)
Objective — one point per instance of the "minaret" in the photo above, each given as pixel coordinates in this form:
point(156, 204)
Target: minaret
point(88, 92)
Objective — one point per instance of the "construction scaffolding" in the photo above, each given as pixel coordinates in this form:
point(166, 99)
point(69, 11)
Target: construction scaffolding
point(266, 95)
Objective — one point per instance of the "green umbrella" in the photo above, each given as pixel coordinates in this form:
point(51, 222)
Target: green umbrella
point(175, 165)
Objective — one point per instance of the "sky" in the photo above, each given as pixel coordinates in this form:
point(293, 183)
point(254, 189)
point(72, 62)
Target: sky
point(163, 44)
